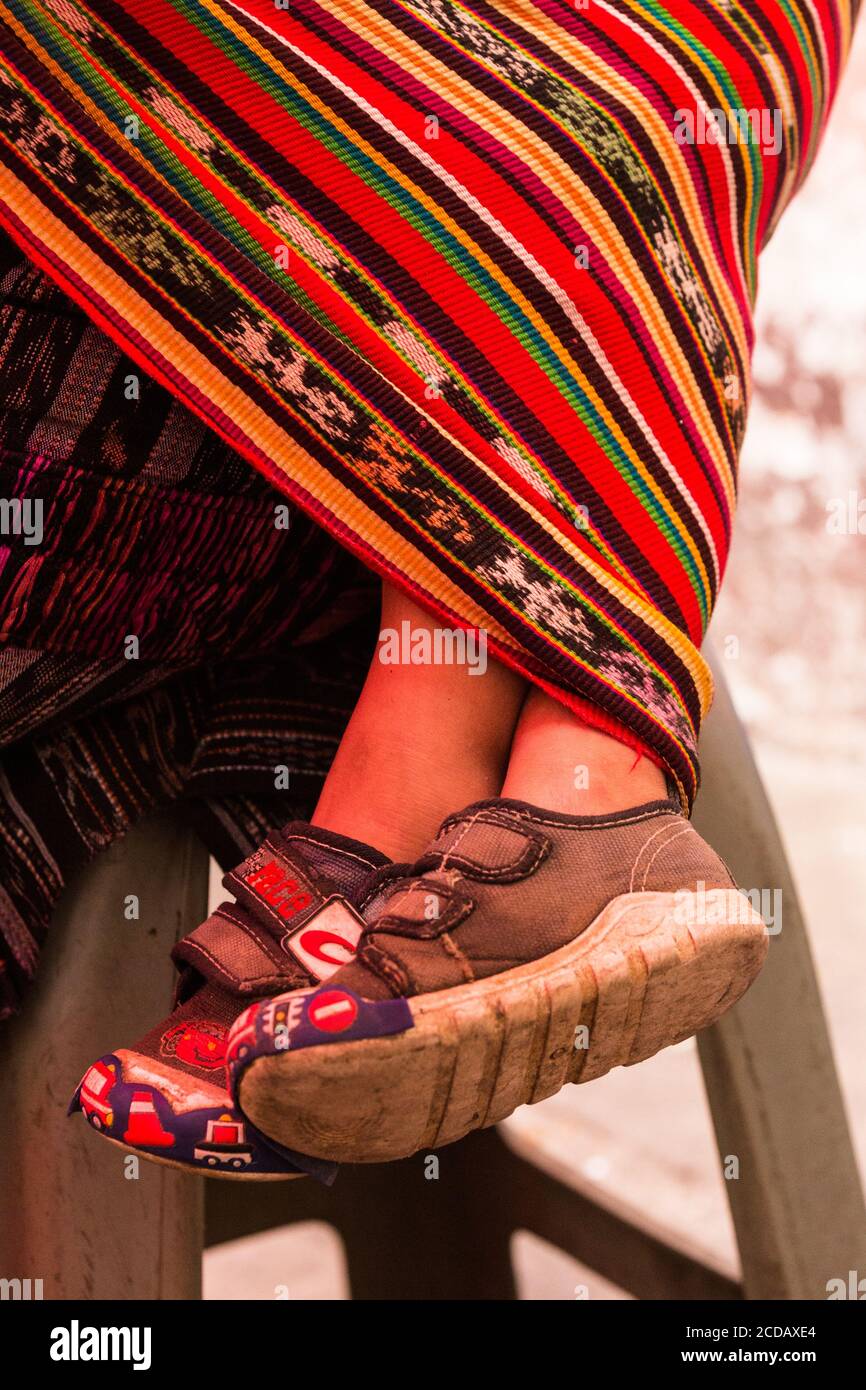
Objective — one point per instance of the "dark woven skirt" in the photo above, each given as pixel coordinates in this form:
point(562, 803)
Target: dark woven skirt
point(252, 627)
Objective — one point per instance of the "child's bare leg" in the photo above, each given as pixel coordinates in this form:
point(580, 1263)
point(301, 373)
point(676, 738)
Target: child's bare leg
point(422, 741)
point(562, 764)
point(427, 740)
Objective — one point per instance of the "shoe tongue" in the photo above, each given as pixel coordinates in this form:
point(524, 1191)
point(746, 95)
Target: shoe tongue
point(345, 862)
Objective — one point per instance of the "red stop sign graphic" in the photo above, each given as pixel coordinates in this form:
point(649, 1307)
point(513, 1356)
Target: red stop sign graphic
point(333, 1011)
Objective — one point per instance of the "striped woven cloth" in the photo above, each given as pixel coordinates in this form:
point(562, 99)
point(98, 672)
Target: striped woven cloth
point(471, 283)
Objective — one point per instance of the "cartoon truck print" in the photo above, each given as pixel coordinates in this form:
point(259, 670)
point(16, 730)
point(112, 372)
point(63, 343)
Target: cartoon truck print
point(224, 1144)
point(95, 1090)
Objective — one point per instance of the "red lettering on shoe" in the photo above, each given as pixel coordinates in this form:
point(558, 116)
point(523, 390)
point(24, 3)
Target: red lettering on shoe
point(279, 890)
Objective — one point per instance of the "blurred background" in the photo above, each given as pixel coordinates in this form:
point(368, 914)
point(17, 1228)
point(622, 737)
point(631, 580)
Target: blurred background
point(792, 625)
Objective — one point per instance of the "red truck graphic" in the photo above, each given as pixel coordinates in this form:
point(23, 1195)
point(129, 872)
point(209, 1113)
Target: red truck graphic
point(224, 1144)
point(95, 1090)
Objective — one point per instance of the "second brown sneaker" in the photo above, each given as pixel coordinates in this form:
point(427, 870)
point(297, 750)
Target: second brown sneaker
point(524, 950)
point(292, 923)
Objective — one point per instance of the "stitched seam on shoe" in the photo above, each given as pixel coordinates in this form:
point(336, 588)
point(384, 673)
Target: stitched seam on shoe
point(453, 950)
point(599, 824)
point(365, 902)
point(386, 967)
point(224, 973)
point(661, 849)
point(376, 889)
point(462, 836)
point(488, 814)
point(227, 913)
point(644, 847)
point(459, 903)
point(346, 853)
point(615, 819)
point(534, 852)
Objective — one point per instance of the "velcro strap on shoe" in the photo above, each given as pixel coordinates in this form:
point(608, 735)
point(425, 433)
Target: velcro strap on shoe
point(318, 928)
point(488, 846)
point(238, 955)
point(425, 907)
point(276, 886)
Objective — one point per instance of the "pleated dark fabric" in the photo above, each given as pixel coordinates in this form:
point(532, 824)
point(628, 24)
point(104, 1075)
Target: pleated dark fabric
point(252, 639)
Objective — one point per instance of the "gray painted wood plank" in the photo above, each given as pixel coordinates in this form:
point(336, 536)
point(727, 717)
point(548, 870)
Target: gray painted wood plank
point(69, 1215)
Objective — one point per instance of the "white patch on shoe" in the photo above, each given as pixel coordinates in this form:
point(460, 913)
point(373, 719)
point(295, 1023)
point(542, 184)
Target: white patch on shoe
point(327, 940)
point(181, 1090)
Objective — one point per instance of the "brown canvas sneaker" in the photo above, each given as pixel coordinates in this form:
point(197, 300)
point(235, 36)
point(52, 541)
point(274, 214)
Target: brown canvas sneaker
point(524, 950)
point(292, 924)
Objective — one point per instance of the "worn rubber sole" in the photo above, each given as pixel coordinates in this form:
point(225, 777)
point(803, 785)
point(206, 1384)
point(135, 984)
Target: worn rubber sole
point(652, 969)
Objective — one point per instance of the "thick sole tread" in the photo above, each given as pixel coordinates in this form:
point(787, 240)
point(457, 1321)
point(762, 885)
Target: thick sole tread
point(651, 970)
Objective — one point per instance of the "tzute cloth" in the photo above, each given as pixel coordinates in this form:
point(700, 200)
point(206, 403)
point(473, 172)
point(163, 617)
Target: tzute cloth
point(472, 284)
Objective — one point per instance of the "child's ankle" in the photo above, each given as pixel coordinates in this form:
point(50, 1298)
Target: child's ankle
point(562, 764)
